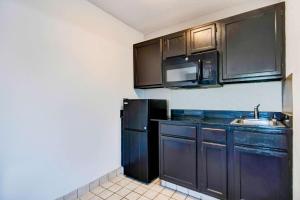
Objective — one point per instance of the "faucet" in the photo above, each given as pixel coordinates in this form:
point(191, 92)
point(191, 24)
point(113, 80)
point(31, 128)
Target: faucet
point(256, 112)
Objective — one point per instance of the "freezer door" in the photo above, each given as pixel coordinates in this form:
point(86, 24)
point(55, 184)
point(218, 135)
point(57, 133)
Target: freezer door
point(135, 114)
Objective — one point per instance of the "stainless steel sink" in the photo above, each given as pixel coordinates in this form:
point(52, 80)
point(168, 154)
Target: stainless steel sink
point(257, 122)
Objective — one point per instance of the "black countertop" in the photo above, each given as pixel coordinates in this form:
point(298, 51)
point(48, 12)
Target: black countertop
point(218, 117)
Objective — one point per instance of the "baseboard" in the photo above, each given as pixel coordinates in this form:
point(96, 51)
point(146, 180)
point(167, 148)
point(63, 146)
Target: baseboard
point(78, 192)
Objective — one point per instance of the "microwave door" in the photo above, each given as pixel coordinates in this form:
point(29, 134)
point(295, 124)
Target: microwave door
point(187, 72)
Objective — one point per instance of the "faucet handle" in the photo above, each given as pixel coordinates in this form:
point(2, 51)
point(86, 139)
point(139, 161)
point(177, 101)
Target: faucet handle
point(274, 119)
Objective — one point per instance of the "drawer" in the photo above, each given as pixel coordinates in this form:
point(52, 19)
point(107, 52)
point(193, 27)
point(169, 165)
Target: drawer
point(260, 139)
point(188, 131)
point(216, 135)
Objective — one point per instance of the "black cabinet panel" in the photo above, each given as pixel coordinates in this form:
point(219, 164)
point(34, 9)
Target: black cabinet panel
point(174, 45)
point(252, 45)
point(202, 38)
point(148, 64)
point(261, 174)
point(178, 161)
point(214, 170)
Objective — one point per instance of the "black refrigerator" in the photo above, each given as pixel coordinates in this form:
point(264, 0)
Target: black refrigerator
point(139, 137)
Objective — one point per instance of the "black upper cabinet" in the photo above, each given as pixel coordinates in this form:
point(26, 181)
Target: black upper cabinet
point(252, 45)
point(190, 41)
point(251, 48)
point(148, 64)
point(202, 38)
point(174, 45)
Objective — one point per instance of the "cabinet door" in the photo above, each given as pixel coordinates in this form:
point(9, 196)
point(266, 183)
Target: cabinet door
point(261, 174)
point(137, 154)
point(214, 170)
point(174, 45)
point(202, 38)
point(148, 64)
point(178, 161)
point(253, 45)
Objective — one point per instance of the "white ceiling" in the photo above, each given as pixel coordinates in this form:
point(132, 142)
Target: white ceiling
point(152, 15)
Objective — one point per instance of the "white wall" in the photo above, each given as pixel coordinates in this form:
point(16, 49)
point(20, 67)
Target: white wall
point(293, 64)
point(64, 68)
point(229, 97)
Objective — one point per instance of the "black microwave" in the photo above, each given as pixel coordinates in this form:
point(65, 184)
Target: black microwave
point(197, 70)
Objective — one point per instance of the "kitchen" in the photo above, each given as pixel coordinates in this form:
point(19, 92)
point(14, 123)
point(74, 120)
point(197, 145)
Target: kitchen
point(209, 102)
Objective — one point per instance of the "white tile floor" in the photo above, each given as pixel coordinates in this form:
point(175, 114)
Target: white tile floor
point(125, 188)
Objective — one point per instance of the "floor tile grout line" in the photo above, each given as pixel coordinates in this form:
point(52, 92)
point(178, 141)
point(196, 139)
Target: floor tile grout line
point(89, 188)
point(117, 190)
point(148, 187)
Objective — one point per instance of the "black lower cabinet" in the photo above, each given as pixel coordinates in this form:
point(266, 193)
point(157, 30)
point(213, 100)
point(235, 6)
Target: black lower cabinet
point(178, 161)
point(260, 174)
point(214, 170)
point(136, 156)
point(212, 161)
point(227, 162)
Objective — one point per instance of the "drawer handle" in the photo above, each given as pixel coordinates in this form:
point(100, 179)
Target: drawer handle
point(214, 129)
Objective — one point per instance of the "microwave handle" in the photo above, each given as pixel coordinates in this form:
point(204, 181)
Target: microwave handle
point(199, 73)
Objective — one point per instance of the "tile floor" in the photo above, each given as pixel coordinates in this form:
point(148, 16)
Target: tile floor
point(125, 188)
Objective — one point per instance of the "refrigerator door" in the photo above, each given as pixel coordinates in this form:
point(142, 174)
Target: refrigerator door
point(135, 114)
point(136, 155)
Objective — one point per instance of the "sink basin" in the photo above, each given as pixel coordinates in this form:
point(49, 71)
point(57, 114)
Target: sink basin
point(257, 122)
